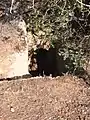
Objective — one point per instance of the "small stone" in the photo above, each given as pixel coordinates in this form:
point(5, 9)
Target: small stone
point(12, 109)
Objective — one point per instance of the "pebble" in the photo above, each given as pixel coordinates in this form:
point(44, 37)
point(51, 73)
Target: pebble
point(12, 109)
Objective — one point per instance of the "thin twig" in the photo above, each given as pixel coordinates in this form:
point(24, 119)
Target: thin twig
point(86, 5)
point(33, 4)
point(64, 7)
point(11, 6)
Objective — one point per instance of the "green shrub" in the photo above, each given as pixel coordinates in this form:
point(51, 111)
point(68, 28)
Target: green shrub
point(66, 24)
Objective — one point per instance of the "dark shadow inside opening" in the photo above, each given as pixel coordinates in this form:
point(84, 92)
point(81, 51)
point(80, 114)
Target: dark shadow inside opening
point(48, 62)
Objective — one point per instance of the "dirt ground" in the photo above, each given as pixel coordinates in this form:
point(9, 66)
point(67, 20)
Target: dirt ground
point(60, 98)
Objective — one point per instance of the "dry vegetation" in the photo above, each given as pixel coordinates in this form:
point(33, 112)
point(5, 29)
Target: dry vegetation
point(45, 98)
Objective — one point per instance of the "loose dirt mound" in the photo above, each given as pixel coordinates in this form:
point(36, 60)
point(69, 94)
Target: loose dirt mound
point(61, 98)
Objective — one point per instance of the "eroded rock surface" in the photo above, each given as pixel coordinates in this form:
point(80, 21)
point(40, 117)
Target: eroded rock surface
point(13, 49)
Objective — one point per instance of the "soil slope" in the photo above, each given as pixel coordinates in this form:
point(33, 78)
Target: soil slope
point(61, 98)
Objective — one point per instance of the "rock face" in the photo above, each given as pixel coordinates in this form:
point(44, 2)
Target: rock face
point(13, 49)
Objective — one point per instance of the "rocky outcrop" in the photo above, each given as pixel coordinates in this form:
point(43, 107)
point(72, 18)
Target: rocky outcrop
point(13, 48)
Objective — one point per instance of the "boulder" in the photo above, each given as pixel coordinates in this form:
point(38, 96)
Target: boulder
point(13, 49)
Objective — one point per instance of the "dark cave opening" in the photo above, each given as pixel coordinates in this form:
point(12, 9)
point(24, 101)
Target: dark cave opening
point(48, 63)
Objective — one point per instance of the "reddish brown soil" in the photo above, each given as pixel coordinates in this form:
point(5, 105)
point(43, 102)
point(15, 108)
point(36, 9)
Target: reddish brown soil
point(61, 98)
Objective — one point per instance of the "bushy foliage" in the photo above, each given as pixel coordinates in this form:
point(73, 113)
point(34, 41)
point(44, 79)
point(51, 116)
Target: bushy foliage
point(66, 24)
